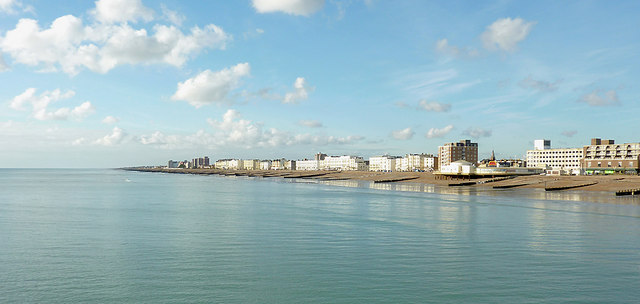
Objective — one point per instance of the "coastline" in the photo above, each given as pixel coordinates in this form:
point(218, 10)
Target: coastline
point(600, 189)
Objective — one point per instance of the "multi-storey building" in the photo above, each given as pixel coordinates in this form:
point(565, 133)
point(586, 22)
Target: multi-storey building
point(343, 163)
point(290, 165)
point(462, 150)
point(265, 165)
point(173, 164)
point(228, 164)
point(277, 164)
point(605, 157)
point(250, 164)
point(417, 162)
point(556, 161)
point(383, 163)
point(307, 164)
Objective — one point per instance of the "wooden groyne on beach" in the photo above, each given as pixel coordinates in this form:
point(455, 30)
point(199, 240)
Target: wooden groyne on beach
point(628, 192)
point(566, 187)
point(393, 180)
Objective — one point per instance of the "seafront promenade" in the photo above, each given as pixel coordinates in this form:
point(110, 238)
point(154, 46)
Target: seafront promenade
point(606, 183)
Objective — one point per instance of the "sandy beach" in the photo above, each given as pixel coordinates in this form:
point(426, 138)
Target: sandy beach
point(604, 183)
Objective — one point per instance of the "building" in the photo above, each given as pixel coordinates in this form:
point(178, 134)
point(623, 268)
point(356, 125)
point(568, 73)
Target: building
point(418, 162)
point(307, 165)
point(605, 157)
point(228, 164)
point(384, 163)
point(541, 144)
point(290, 165)
point(277, 164)
point(555, 161)
point(461, 168)
point(265, 164)
point(462, 150)
point(343, 163)
point(201, 162)
point(173, 164)
point(250, 164)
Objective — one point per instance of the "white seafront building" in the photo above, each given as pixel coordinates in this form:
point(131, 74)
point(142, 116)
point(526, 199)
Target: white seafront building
point(307, 165)
point(228, 164)
point(383, 163)
point(555, 161)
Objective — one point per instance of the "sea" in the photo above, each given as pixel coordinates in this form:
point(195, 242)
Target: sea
point(114, 236)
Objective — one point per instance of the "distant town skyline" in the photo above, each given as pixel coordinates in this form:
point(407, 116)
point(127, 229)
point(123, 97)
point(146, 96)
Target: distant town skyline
point(114, 83)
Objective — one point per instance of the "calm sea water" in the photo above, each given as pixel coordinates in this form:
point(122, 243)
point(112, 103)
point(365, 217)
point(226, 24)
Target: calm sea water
point(110, 236)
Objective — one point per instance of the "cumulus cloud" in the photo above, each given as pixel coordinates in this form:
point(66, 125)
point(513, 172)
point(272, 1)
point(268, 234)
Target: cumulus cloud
point(211, 87)
point(443, 47)
point(310, 123)
point(109, 120)
point(232, 130)
point(301, 92)
point(40, 103)
point(477, 132)
point(71, 46)
point(598, 99)
point(172, 16)
point(403, 134)
point(434, 106)
point(291, 7)
point(113, 11)
point(569, 133)
point(505, 34)
point(435, 132)
point(539, 85)
point(116, 137)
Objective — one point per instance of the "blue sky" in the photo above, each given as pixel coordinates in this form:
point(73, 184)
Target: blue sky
point(113, 83)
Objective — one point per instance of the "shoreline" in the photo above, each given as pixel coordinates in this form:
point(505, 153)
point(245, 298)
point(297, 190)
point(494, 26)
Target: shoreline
point(601, 187)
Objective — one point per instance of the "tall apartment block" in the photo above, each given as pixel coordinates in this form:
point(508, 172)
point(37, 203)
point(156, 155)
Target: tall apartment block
point(462, 150)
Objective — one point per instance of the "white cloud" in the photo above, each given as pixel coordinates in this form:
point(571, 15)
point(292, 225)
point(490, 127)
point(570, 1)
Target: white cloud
point(116, 137)
point(13, 6)
point(39, 105)
point(211, 87)
point(539, 85)
point(113, 11)
point(110, 120)
point(292, 7)
point(434, 132)
point(310, 123)
point(232, 130)
point(71, 46)
point(434, 106)
point(301, 92)
point(477, 132)
point(595, 99)
point(79, 142)
point(506, 33)
point(569, 133)
point(3, 65)
point(172, 16)
point(404, 134)
point(443, 47)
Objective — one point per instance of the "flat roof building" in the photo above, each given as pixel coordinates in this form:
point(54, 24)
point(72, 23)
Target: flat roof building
point(462, 150)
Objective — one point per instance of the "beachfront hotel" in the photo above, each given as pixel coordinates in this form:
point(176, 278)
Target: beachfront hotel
point(462, 150)
point(554, 161)
point(603, 156)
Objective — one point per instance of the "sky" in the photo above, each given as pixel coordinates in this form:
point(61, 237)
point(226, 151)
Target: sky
point(115, 83)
